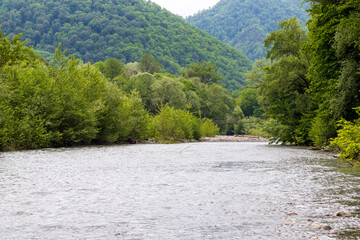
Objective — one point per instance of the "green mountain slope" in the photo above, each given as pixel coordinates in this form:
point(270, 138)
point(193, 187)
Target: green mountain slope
point(124, 29)
point(244, 23)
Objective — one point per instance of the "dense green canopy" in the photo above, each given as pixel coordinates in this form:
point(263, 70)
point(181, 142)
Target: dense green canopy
point(68, 103)
point(245, 23)
point(122, 29)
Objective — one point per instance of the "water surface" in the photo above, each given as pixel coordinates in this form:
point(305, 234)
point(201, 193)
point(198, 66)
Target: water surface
point(180, 191)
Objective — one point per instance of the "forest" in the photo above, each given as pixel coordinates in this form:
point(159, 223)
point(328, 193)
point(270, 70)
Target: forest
point(122, 29)
point(244, 24)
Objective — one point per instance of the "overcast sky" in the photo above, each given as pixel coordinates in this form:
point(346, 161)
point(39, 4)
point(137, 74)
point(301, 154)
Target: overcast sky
point(185, 7)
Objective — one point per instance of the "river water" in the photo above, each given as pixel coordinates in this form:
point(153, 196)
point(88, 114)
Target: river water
point(180, 191)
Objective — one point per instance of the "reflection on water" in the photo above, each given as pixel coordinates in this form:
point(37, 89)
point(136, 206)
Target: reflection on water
point(180, 191)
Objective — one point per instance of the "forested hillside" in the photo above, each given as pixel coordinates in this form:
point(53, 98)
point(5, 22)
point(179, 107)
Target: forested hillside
point(123, 29)
point(244, 24)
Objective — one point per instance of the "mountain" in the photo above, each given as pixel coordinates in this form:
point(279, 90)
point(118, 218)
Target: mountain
point(124, 29)
point(244, 24)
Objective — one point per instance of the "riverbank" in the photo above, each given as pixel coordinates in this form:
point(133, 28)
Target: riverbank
point(218, 138)
point(235, 138)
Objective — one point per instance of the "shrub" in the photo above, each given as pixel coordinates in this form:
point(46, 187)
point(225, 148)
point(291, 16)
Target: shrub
point(209, 129)
point(348, 141)
point(175, 125)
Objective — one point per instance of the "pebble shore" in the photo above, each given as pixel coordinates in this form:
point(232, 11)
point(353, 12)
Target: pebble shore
point(235, 138)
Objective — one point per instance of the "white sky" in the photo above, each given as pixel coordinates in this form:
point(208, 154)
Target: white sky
point(185, 7)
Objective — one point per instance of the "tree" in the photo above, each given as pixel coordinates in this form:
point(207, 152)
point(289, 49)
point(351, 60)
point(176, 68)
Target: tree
point(12, 51)
point(287, 40)
point(113, 68)
point(248, 101)
point(216, 104)
point(206, 71)
point(335, 56)
point(168, 91)
point(142, 84)
point(149, 64)
point(284, 87)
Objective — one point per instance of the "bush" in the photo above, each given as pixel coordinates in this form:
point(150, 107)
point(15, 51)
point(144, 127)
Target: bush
point(209, 129)
point(277, 133)
point(348, 141)
point(174, 125)
point(124, 118)
point(323, 127)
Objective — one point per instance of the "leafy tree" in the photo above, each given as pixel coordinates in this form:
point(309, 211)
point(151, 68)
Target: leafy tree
point(284, 87)
point(124, 118)
point(142, 84)
point(216, 104)
point(335, 56)
point(149, 64)
point(168, 91)
point(113, 68)
point(205, 71)
point(133, 68)
point(287, 40)
point(11, 51)
point(248, 101)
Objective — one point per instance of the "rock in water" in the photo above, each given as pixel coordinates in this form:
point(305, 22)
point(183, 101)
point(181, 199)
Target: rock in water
point(327, 227)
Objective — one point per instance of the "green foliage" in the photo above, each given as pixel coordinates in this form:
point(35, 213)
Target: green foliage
point(248, 101)
point(124, 118)
point(171, 125)
point(11, 51)
point(283, 88)
point(174, 125)
point(287, 40)
point(141, 83)
point(348, 141)
point(66, 102)
point(335, 56)
point(149, 64)
point(126, 30)
point(277, 132)
point(250, 126)
point(216, 104)
point(323, 127)
point(203, 100)
point(113, 68)
point(244, 24)
point(205, 71)
point(313, 81)
point(168, 91)
point(209, 129)
point(62, 104)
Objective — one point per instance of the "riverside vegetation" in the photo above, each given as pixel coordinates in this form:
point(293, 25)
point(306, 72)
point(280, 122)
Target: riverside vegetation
point(309, 83)
point(66, 102)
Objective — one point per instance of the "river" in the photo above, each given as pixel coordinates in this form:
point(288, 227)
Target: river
point(187, 191)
